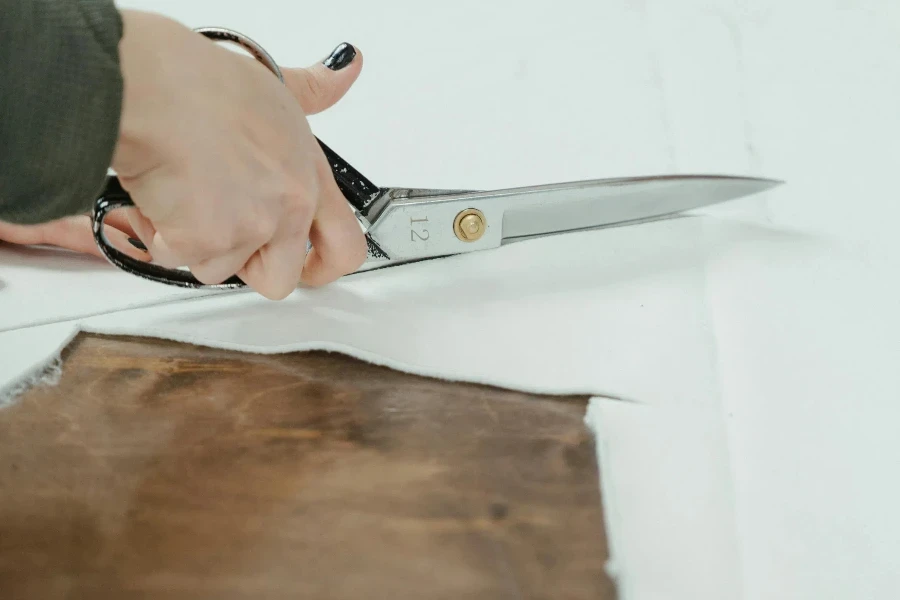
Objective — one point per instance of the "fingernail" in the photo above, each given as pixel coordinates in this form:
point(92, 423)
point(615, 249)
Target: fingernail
point(137, 244)
point(340, 57)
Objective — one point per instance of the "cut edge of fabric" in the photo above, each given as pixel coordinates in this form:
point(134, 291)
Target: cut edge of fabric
point(47, 374)
point(351, 351)
point(44, 372)
point(643, 453)
point(613, 566)
point(135, 305)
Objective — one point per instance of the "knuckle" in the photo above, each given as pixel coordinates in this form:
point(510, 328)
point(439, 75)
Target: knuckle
point(344, 262)
point(257, 229)
point(188, 249)
point(356, 254)
point(181, 247)
point(276, 290)
point(303, 192)
point(313, 87)
point(206, 276)
point(300, 216)
point(265, 283)
point(299, 199)
point(215, 245)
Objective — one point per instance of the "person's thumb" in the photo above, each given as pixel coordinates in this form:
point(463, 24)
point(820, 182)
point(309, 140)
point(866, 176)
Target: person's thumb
point(321, 86)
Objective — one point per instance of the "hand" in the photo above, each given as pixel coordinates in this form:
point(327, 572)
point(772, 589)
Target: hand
point(221, 163)
point(75, 233)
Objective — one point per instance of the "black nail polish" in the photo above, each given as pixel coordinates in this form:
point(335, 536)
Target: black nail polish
point(137, 244)
point(340, 57)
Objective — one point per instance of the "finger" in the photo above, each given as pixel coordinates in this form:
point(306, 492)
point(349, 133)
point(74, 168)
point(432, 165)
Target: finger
point(70, 233)
point(149, 241)
point(22, 235)
point(321, 86)
point(338, 242)
point(274, 271)
point(119, 219)
point(75, 234)
point(121, 241)
point(217, 270)
point(163, 253)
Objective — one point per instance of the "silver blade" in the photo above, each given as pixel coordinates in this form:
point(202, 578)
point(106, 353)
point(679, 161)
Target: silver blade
point(417, 224)
point(591, 204)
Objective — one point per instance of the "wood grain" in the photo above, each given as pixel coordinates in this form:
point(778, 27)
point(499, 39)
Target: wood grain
point(161, 470)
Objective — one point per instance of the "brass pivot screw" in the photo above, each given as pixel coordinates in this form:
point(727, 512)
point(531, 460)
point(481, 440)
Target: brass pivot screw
point(469, 225)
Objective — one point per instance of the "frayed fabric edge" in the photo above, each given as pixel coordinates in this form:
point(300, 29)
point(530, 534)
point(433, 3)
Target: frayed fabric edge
point(48, 374)
point(46, 369)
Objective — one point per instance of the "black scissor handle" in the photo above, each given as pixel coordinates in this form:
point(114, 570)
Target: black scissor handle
point(113, 197)
point(359, 191)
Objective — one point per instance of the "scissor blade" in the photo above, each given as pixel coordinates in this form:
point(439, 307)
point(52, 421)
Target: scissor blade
point(411, 225)
point(546, 210)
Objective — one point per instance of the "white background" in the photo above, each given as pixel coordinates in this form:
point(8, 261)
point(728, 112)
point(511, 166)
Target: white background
point(767, 467)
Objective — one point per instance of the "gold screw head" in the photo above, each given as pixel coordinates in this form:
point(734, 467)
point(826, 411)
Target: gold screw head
point(470, 225)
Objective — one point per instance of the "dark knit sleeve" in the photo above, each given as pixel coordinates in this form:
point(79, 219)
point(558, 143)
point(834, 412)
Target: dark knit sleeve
point(60, 103)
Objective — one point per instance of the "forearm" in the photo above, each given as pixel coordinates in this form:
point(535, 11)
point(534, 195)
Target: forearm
point(60, 105)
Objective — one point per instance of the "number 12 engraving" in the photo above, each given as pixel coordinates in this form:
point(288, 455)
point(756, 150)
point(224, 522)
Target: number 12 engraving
point(421, 233)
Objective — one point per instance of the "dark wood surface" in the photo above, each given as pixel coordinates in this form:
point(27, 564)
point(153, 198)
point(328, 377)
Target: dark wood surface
point(161, 470)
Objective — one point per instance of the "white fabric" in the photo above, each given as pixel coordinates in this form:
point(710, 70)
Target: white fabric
point(39, 286)
point(26, 356)
point(453, 318)
point(685, 503)
point(545, 325)
point(755, 348)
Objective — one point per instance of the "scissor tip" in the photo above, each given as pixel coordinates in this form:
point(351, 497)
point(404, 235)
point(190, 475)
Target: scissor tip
point(762, 184)
point(770, 184)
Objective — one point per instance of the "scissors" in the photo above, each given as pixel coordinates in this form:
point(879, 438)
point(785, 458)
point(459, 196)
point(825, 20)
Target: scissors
point(404, 225)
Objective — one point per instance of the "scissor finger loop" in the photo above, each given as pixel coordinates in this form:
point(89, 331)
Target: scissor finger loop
point(221, 34)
